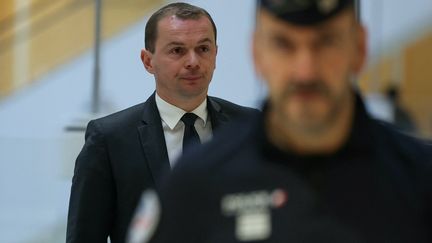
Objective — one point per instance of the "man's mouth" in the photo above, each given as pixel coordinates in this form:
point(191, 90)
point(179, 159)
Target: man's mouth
point(191, 77)
point(307, 92)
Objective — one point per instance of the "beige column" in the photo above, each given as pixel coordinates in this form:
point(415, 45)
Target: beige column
point(21, 44)
point(6, 18)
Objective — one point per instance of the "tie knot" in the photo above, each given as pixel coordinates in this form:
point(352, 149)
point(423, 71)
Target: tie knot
point(189, 119)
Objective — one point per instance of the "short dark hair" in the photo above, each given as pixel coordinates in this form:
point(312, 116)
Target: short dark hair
point(181, 11)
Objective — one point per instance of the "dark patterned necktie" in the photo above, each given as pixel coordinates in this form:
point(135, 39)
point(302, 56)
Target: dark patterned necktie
point(190, 137)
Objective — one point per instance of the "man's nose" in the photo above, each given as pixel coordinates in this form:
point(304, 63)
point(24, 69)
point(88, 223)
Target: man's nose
point(306, 68)
point(192, 60)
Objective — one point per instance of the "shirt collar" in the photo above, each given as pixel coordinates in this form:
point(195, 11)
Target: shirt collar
point(172, 114)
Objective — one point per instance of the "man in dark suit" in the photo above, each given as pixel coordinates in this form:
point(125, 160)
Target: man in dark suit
point(131, 150)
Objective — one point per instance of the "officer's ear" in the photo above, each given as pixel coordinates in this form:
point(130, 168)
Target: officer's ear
point(256, 55)
point(361, 48)
point(147, 60)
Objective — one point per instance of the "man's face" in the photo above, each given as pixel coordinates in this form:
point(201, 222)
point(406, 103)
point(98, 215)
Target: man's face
point(184, 58)
point(307, 69)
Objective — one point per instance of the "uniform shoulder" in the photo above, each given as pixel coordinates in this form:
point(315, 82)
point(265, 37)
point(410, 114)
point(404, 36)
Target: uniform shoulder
point(408, 146)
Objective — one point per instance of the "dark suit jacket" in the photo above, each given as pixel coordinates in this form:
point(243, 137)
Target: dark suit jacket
point(124, 154)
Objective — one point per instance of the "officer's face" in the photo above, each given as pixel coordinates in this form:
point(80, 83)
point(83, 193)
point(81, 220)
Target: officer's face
point(307, 69)
point(184, 58)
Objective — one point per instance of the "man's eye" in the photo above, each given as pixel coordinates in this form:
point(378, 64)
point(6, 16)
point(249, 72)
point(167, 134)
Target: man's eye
point(328, 41)
point(204, 49)
point(282, 44)
point(177, 50)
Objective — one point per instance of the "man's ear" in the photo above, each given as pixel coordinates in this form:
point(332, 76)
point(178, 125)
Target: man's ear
point(216, 55)
point(361, 49)
point(146, 58)
point(256, 55)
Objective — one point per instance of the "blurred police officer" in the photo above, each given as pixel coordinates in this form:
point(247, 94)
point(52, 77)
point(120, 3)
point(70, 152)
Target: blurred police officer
point(314, 167)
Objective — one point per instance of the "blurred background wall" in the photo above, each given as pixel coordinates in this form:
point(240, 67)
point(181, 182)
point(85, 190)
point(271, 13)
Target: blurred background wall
point(46, 86)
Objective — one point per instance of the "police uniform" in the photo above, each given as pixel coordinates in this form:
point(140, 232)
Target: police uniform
point(376, 188)
point(241, 188)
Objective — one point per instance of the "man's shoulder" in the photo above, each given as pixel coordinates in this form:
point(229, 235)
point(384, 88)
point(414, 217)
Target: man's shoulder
point(414, 151)
point(230, 107)
point(130, 117)
point(122, 117)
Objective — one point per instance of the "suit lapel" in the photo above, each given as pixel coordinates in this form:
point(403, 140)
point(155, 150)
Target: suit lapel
point(217, 116)
point(153, 141)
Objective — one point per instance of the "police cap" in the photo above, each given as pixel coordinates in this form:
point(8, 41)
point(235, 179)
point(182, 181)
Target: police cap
point(304, 12)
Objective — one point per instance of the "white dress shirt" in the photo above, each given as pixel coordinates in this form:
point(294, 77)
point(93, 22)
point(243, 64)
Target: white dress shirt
point(173, 127)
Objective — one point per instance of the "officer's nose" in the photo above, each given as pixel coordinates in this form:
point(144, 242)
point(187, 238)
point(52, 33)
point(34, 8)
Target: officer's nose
point(305, 67)
point(192, 61)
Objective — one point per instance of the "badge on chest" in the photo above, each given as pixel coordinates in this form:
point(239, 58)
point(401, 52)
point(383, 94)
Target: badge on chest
point(252, 212)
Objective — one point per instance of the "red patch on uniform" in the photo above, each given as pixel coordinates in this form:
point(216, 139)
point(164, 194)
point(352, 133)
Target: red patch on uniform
point(279, 198)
